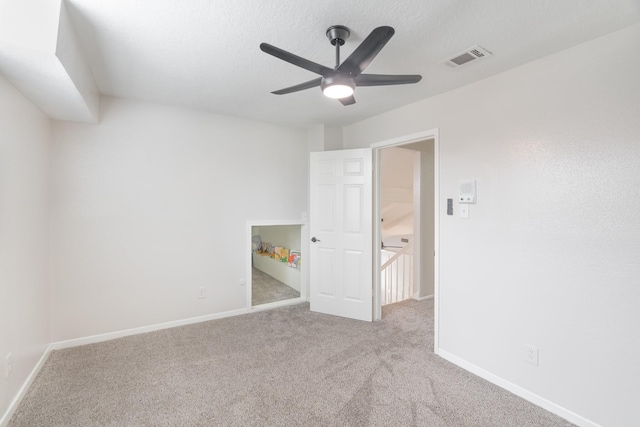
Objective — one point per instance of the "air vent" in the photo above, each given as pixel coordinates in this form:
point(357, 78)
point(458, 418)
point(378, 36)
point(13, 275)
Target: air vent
point(472, 54)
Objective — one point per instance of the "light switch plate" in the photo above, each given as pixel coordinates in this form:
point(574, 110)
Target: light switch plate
point(464, 211)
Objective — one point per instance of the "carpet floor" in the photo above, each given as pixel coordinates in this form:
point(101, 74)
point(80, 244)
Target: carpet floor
point(281, 367)
point(266, 289)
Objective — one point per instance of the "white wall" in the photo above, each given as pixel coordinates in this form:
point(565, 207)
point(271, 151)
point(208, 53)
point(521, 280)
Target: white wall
point(396, 193)
point(152, 204)
point(24, 238)
point(550, 255)
point(287, 236)
point(427, 217)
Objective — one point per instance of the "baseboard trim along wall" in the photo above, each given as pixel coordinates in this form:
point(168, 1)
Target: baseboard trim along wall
point(417, 298)
point(284, 303)
point(141, 330)
point(4, 421)
point(518, 391)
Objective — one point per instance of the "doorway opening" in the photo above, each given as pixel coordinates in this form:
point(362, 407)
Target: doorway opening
point(399, 178)
point(405, 214)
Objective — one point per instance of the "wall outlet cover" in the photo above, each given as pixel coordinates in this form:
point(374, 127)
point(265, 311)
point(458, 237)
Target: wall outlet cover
point(531, 354)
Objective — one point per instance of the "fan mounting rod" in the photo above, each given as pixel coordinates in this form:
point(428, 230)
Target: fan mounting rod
point(338, 34)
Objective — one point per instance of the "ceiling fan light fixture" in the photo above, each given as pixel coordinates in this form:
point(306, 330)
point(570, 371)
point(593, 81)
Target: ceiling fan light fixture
point(337, 87)
point(337, 91)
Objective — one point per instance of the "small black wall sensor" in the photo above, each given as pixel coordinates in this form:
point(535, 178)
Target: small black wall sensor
point(449, 206)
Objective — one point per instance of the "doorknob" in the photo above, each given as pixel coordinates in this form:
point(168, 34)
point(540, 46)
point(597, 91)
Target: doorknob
point(313, 239)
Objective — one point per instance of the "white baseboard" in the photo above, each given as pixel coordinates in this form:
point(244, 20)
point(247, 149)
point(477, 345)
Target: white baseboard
point(4, 421)
point(277, 304)
point(518, 391)
point(127, 332)
point(417, 298)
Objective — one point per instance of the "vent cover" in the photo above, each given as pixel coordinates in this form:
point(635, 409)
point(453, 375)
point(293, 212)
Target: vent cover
point(472, 54)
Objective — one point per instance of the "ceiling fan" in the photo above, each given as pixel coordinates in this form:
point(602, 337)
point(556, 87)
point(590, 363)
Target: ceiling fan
point(339, 82)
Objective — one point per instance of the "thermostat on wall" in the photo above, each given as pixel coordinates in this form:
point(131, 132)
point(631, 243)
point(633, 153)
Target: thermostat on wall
point(467, 192)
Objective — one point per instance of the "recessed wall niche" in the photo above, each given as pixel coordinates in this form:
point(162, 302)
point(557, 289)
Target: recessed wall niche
point(276, 263)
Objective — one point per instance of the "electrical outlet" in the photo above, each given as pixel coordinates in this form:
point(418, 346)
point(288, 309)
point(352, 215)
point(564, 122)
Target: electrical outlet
point(531, 354)
point(202, 292)
point(8, 365)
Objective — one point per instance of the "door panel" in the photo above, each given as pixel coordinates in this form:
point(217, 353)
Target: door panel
point(326, 207)
point(326, 268)
point(352, 266)
point(353, 209)
point(340, 219)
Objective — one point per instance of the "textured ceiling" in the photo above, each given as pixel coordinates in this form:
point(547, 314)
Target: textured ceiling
point(205, 54)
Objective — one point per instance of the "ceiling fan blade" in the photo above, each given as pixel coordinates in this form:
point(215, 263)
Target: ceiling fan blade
point(349, 100)
point(301, 86)
point(368, 49)
point(386, 79)
point(296, 60)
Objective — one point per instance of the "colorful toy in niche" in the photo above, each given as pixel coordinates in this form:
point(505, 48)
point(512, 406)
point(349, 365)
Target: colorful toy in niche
point(294, 259)
point(256, 244)
point(281, 254)
point(265, 248)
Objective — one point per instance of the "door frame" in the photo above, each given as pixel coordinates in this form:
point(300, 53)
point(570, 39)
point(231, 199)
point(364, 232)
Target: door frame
point(377, 235)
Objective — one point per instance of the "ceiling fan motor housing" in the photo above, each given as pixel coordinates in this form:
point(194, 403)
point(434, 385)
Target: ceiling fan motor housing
point(338, 34)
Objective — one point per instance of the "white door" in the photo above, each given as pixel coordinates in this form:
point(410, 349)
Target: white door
point(341, 234)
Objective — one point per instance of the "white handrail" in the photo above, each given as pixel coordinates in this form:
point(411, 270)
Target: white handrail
point(397, 255)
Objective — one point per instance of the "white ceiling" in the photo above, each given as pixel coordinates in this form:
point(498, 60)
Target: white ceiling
point(204, 54)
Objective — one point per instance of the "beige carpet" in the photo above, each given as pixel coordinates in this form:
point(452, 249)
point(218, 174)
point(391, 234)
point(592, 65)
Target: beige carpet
point(282, 367)
point(266, 289)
